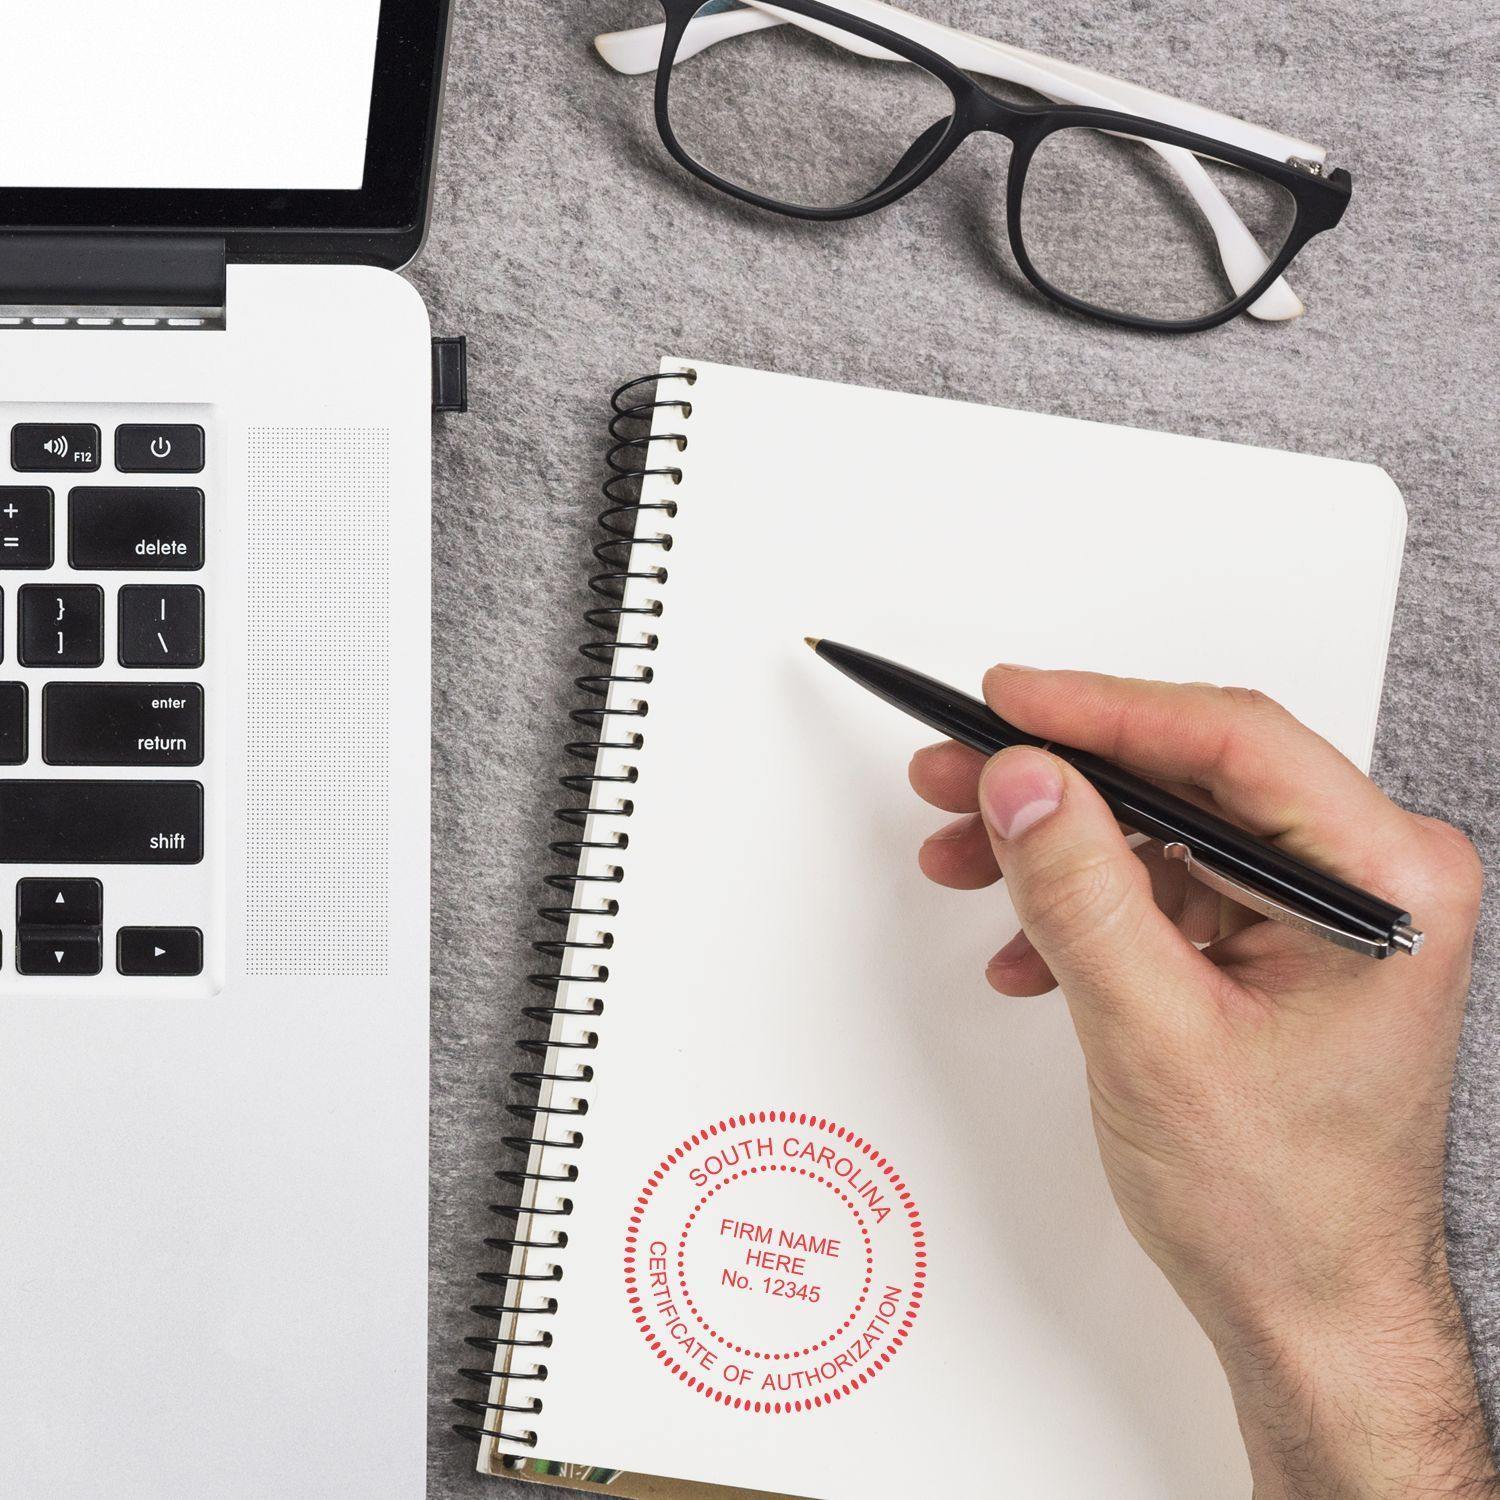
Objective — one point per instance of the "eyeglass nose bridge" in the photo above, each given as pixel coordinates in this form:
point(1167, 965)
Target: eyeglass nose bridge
point(980, 112)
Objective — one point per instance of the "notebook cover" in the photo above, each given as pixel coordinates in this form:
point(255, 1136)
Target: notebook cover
point(593, 1480)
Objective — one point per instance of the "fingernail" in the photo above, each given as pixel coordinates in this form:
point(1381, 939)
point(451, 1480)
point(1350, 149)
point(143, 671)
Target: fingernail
point(1011, 666)
point(954, 830)
point(1013, 952)
point(1019, 788)
point(926, 750)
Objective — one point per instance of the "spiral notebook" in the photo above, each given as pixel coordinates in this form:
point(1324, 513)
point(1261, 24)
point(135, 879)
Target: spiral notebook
point(806, 1206)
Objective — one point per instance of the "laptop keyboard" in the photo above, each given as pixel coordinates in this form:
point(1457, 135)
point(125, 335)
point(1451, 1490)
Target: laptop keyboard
point(107, 685)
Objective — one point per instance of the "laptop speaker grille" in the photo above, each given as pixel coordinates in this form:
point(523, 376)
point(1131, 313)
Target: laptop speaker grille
point(318, 742)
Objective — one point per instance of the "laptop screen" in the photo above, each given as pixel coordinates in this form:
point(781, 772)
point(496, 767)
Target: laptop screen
point(295, 129)
point(187, 93)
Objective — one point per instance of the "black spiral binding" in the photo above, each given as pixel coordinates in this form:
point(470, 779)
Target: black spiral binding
point(631, 463)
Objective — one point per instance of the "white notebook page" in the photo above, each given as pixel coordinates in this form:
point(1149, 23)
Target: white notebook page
point(777, 950)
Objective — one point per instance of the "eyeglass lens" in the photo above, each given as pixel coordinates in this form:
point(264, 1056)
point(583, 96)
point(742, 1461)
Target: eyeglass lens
point(788, 115)
point(1130, 226)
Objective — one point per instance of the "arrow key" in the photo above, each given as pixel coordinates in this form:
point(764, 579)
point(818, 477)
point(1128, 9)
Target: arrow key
point(159, 951)
point(59, 903)
point(58, 950)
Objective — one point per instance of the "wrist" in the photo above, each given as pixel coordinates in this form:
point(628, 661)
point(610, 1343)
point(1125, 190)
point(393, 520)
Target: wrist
point(1372, 1400)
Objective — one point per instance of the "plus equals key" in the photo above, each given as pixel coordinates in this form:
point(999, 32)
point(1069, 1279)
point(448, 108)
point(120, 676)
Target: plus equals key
point(25, 526)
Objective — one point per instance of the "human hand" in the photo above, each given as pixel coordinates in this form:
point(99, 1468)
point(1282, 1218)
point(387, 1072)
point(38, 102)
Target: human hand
point(1270, 1110)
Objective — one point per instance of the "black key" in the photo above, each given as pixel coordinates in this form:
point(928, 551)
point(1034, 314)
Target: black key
point(59, 950)
point(53, 447)
point(122, 724)
point(135, 528)
point(13, 725)
point(59, 903)
point(159, 950)
point(161, 625)
point(158, 449)
point(61, 625)
point(25, 526)
point(101, 822)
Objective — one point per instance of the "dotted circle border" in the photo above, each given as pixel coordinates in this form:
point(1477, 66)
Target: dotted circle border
point(724, 1339)
point(914, 1224)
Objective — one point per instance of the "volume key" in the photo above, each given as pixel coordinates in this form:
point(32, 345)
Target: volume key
point(54, 447)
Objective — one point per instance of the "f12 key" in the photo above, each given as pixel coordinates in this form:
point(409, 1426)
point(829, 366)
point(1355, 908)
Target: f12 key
point(54, 447)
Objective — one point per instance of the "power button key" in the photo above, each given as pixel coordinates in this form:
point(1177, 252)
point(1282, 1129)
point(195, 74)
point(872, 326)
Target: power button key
point(153, 448)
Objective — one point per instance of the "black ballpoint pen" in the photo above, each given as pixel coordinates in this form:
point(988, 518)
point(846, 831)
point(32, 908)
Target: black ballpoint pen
point(1235, 863)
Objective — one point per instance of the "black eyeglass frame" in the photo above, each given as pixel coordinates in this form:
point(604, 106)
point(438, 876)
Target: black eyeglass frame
point(1320, 200)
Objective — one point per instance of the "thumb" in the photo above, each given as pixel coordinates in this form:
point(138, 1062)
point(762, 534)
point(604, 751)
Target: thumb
point(1083, 897)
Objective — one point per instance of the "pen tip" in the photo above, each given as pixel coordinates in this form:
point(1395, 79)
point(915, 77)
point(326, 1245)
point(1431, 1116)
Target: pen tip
point(812, 641)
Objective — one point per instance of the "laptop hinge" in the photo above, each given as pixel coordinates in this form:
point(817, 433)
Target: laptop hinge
point(111, 280)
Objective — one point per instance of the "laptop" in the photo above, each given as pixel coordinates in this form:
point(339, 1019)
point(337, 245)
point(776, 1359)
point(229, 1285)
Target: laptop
point(215, 454)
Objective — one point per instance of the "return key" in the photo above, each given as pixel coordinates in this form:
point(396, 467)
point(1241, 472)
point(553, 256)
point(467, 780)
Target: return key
point(122, 724)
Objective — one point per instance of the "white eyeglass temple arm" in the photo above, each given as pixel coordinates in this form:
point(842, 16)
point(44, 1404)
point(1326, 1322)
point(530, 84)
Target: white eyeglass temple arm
point(639, 50)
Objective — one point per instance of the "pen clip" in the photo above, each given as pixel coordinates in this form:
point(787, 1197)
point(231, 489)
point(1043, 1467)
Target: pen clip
point(1267, 906)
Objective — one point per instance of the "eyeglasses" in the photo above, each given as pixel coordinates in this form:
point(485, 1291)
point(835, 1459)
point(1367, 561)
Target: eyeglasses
point(1121, 203)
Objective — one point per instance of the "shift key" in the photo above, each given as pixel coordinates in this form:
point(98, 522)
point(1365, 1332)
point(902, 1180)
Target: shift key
point(135, 528)
point(101, 822)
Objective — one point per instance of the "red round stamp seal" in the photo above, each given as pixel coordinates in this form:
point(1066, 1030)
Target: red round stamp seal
point(775, 1262)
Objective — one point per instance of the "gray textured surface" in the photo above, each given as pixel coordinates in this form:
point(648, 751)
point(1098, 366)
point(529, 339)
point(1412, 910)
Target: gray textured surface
point(574, 254)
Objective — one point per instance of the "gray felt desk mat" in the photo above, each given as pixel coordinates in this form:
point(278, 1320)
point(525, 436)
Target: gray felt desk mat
point(573, 254)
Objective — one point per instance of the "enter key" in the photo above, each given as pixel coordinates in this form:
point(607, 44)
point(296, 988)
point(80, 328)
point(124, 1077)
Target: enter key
point(122, 724)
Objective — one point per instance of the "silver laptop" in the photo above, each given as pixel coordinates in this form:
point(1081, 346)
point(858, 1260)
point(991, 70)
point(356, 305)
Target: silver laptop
point(215, 409)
